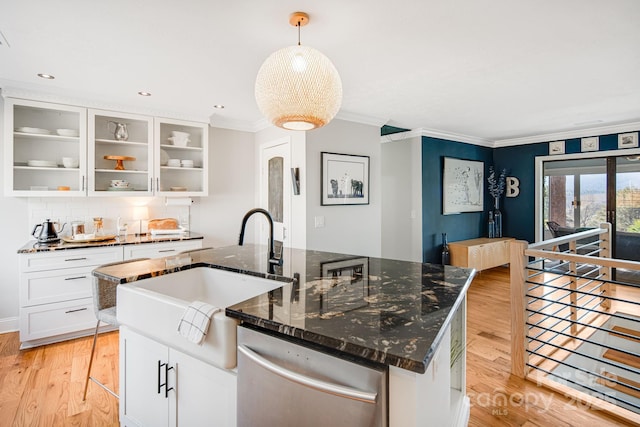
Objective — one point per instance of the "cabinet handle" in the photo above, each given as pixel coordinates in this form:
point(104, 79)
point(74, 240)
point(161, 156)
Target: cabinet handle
point(164, 384)
point(167, 389)
point(167, 250)
point(76, 259)
point(82, 182)
point(76, 278)
point(158, 184)
point(151, 184)
point(76, 310)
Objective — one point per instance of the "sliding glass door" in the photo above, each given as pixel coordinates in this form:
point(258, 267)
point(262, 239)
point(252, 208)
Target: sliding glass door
point(582, 193)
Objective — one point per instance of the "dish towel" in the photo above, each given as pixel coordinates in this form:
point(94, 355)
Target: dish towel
point(195, 321)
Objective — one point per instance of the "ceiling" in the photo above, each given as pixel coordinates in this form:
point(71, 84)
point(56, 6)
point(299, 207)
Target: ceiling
point(492, 70)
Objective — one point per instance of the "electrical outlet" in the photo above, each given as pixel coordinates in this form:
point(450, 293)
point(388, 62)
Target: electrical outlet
point(319, 221)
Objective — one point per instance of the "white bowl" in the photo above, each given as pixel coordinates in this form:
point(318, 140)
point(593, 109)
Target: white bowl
point(179, 141)
point(70, 162)
point(67, 132)
point(179, 134)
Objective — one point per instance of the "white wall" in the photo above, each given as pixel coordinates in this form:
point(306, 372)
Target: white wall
point(231, 187)
point(13, 228)
point(402, 199)
point(348, 229)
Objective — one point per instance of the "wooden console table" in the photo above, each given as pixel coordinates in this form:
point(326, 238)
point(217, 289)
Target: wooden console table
point(481, 254)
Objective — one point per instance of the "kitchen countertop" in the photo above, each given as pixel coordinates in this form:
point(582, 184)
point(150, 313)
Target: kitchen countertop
point(378, 310)
point(34, 247)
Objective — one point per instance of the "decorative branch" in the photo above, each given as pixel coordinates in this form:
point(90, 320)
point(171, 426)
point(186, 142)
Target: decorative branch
point(496, 187)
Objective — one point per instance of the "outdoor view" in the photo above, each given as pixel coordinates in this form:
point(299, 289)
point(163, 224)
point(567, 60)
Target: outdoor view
point(575, 197)
point(593, 201)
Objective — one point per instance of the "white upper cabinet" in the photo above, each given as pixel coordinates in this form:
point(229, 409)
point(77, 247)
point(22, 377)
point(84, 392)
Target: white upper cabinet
point(61, 150)
point(120, 148)
point(181, 158)
point(45, 149)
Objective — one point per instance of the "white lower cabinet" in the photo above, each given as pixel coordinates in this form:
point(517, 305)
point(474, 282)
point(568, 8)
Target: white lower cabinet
point(161, 386)
point(56, 294)
point(56, 300)
point(158, 250)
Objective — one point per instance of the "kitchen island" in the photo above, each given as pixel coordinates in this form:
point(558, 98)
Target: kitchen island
point(407, 318)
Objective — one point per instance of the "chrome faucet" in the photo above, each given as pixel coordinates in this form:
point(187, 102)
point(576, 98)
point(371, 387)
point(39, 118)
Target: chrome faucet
point(272, 261)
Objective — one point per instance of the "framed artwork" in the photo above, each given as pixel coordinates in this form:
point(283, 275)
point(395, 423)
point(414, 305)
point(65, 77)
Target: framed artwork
point(590, 144)
point(344, 179)
point(556, 147)
point(345, 285)
point(628, 140)
point(462, 186)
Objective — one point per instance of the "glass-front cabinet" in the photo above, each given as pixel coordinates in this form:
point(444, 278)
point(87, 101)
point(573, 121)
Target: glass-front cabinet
point(61, 150)
point(181, 158)
point(120, 155)
point(45, 149)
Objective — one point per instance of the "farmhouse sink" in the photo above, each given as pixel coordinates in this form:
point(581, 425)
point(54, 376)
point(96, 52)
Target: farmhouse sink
point(155, 306)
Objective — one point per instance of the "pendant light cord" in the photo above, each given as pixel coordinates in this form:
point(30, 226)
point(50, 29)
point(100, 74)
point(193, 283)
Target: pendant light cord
point(298, 33)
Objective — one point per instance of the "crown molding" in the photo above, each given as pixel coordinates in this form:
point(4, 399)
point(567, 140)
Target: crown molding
point(401, 136)
point(457, 137)
point(433, 133)
point(571, 134)
point(35, 94)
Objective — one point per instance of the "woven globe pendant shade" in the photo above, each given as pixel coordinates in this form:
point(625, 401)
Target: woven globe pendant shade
point(298, 88)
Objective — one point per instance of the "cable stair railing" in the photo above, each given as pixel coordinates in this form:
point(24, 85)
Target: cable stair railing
point(574, 328)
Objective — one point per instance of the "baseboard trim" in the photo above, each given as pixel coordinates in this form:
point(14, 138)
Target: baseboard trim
point(9, 324)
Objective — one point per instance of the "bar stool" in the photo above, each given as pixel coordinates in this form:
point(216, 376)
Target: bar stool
point(104, 302)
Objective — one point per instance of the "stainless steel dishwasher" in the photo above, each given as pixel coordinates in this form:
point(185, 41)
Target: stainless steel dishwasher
point(284, 384)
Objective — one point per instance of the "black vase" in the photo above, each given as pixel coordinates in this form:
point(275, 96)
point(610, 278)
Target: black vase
point(445, 250)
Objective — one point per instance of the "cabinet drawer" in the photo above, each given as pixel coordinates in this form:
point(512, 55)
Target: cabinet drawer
point(66, 284)
point(69, 258)
point(58, 318)
point(159, 250)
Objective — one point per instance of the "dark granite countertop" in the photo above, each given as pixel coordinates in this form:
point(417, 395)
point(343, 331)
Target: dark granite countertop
point(378, 310)
point(33, 246)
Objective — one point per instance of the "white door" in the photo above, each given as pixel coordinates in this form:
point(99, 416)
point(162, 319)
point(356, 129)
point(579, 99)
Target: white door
point(275, 189)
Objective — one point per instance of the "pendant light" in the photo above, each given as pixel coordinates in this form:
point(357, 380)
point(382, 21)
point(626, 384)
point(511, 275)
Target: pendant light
point(297, 87)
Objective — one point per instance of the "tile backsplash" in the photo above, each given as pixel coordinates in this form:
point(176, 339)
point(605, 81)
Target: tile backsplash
point(65, 210)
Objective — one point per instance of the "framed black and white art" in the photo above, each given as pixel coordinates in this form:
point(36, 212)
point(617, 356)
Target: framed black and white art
point(345, 179)
point(462, 186)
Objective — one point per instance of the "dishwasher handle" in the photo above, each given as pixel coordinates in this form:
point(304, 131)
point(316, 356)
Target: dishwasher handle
point(323, 386)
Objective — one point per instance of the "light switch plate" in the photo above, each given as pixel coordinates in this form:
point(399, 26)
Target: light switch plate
point(319, 221)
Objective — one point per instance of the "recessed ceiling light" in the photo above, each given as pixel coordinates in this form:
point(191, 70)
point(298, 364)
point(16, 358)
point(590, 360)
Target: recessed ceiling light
point(46, 76)
point(143, 93)
point(218, 106)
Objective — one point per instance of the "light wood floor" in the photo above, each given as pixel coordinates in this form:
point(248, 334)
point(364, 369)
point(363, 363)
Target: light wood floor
point(497, 398)
point(43, 386)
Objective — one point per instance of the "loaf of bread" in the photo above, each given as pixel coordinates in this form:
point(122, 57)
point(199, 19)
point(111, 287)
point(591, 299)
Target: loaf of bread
point(163, 224)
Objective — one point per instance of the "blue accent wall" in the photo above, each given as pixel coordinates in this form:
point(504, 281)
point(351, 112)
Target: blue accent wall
point(458, 227)
point(518, 212)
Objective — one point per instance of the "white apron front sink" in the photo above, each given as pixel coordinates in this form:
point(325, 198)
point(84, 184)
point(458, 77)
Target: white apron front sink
point(155, 306)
